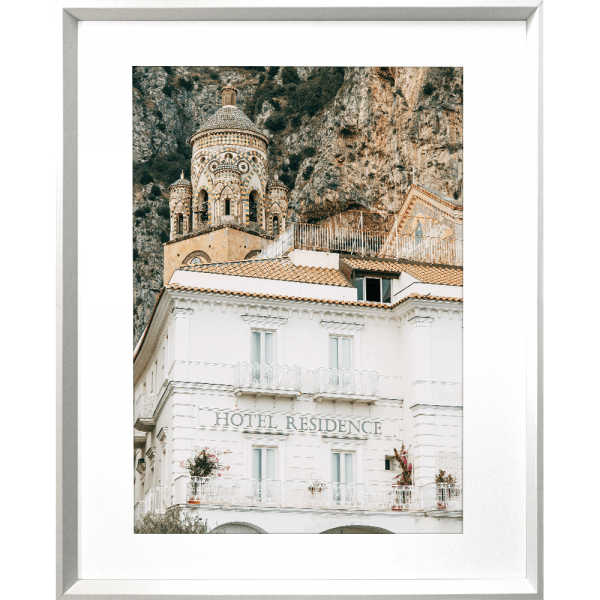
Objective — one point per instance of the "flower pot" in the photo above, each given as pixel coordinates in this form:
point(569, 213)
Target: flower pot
point(397, 508)
point(441, 506)
point(193, 501)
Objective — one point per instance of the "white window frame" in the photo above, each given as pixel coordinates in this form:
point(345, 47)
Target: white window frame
point(341, 445)
point(340, 352)
point(264, 449)
point(255, 440)
point(350, 330)
point(262, 333)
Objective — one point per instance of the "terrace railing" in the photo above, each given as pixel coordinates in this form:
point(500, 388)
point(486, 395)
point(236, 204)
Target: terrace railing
point(261, 376)
point(441, 496)
point(346, 382)
point(429, 248)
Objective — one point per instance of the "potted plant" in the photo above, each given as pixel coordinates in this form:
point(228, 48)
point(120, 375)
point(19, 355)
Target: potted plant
point(316, 487)
point(445, 484)
point(405, 478)
point(201, 466)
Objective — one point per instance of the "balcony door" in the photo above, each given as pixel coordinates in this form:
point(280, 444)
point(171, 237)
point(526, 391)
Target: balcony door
point(342, 477)
point(339, 362)
point(262, 358)
point(263, 469)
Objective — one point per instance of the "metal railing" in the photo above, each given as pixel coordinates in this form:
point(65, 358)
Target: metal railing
point(311, 494)
point(428, 247)
point(155, 500)
point(441, 496)
point(346, 382)
point(267, 376)
point(144, 407)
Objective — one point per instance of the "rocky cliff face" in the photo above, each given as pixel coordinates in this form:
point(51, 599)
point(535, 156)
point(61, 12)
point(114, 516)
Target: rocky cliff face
point(344, 141)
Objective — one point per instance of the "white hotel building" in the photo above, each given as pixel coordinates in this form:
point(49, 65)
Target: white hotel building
point(309, 364)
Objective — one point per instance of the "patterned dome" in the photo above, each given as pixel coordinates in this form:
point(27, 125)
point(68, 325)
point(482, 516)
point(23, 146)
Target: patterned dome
point(181, 181)
point(229, 117)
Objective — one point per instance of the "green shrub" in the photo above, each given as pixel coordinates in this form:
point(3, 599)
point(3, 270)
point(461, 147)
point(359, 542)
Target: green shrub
point(289, 75)
point(213, 75)
point(158, 114)
point(296, 121)
point(272, 72)
point(308, 172)
point(156, 190)
point(429, 89)
point(308, 152)
point(196, 78)
point(141, 212)
point(288, 180)
point(276, 122)
point(170, 522)
point(187, 84)
point(168, 70)
point(164, 237)
point(136, 255)
point(316, 92)
point(146, 178)
point(163, 211)
point(167, 90)
point(162, 127)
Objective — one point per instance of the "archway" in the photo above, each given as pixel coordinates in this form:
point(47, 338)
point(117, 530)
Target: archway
point(195, 256)
point(357, 529)
point(252, 254)
point(252, 206)
point(237, 527)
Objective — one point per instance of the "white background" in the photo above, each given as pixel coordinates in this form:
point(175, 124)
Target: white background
point(496, 332)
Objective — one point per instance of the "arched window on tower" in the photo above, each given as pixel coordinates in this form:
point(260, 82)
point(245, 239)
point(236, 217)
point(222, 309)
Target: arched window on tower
point(203, 205)
point(252, 206)
point(275, 225)
point(418, 233)
point(227, 206)
point(180, 224)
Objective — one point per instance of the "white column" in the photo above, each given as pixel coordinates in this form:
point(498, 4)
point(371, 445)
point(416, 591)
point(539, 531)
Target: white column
point(423, 423)
point(421, 360)
point(180, 343)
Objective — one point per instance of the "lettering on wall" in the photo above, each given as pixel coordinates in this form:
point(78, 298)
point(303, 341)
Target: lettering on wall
point(290, 423)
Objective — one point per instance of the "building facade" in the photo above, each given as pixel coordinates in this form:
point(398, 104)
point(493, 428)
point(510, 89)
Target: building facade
point(276, 362)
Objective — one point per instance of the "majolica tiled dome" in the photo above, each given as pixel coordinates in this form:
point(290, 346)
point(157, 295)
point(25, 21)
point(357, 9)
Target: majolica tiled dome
point(229, 117)
point(181, 181)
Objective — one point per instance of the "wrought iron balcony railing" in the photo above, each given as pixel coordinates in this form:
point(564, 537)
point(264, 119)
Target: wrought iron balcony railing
point(155, 500)
point(307, 494)
point(143, 414)
point(346, 384)
point(282, 380)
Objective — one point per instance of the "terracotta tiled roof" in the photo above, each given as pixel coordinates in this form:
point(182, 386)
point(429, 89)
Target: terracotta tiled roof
point(282, 269)
point(424, 273)
point(189, 288)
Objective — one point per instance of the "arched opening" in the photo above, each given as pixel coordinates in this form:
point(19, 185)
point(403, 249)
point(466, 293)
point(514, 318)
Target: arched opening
point(419, 233)
point(237, 528)
point(275, 225)
point(203, 205)
point(227, 206)
point(252, 206)
point(196, 257)
point(357, 529)
point(252, 254)
point(179, 224)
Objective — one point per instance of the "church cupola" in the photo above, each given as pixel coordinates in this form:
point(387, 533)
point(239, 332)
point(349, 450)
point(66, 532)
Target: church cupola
point(180, 199)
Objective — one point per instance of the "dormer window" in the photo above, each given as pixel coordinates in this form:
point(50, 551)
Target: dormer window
point(373, 289)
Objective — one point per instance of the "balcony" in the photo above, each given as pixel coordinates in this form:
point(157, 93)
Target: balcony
point(321, 495)
point(155, 500)
point(259, 379)
point(441, 497)
point(346, 384)
point(143, 416)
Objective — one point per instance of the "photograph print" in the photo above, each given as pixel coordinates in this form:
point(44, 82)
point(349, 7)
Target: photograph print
point(297, 299)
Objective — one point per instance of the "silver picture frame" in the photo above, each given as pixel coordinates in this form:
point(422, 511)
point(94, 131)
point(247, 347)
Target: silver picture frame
point(69, 584)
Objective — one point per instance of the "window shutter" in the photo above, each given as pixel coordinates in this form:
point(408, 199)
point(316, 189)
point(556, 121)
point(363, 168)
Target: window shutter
point(257, 466)
point(348, 470)
point(268, 348)
point(345, 353)
point(333, 353)
point(270, 463)
point(256, 346)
